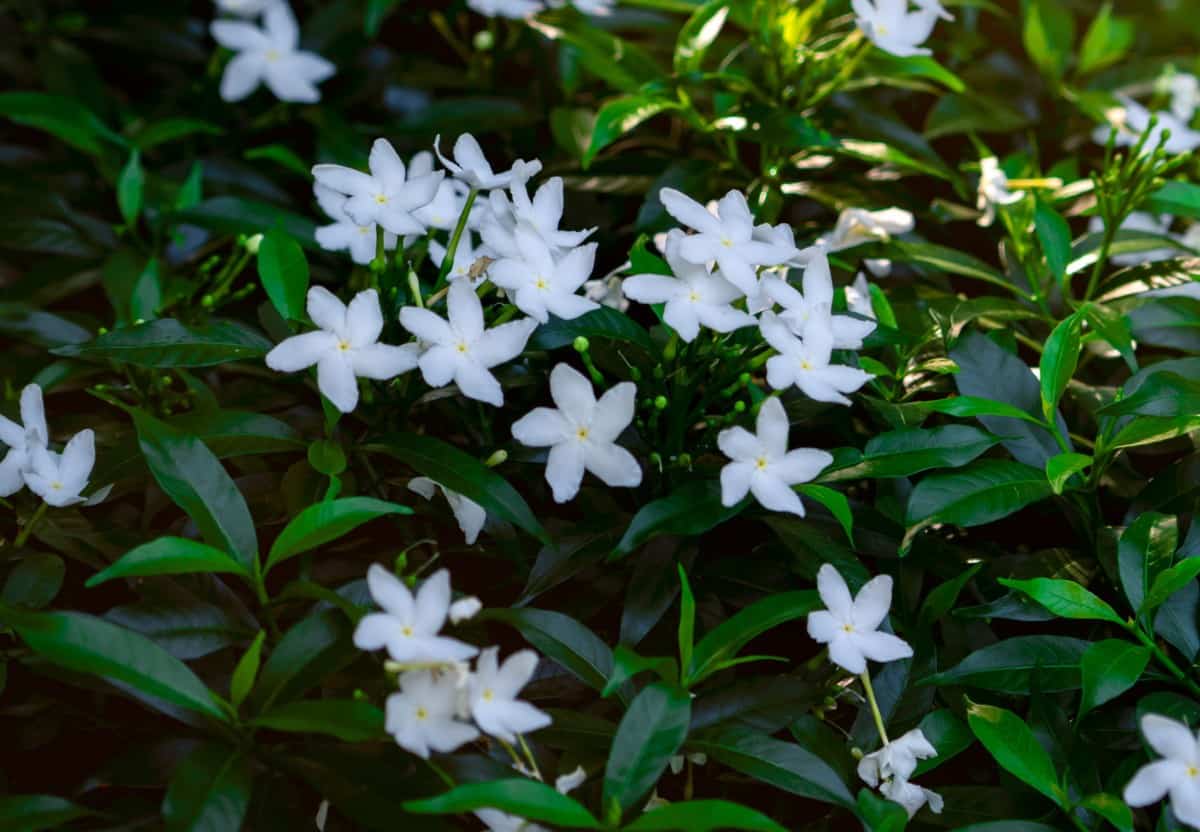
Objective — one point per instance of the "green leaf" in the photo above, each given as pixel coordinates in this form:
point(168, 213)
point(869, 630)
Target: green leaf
point(627, 664)
point(888, 67)
point(691, 510)
point(947, 260)
point(1011, 742)
point(1163, 394)
point(621, 63)
point(1066, 599)
point(168, 343)
point(445, 464)
point(1061, 468)
point(908, 451)
point(238, 433)
point(171, 129)
point(1178, 198)
point(522, 797)
point(35, 581)
point(604, 322)
point(563, 639)
point(784, 765)
point(234, 215)
point(687, 620)
point(1106, 41)
point(880, 814)
point(377, 12)
point(723, 642)
point(1170, 581)
point(192, 190)
point(91, 645)
point(650, 733)
point(283, 270)
point(314, 647)
point(703, 816)
point(1059, 359)
point(1055, 236)
point(941, 600)
point(1049, 34)
point(130, 186)
point(964, 406)
point(1112, 809)
point(209, 792)
point(350, 720)
point(1110, 668)
point(945, 732)
point(621, 115)
point(63, 117)
point(318, 524)
point(1009, 666)
point(1146, 549)
point(835, 502)
point(246, 671)
point(1147, 430)
point(34, 812)
point(697, 34)
point(169, 556)
point(195, 481)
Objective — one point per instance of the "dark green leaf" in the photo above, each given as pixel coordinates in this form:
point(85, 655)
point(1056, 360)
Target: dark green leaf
point(1146, 549)
point(621, 115)
point(318, 524)
point(703, 816)
point(1055, 236)
point(65, 118)
point(312, 648)
point(520, 796)
point(34, 582)
point(1060, 469)
point(34, 812)
point(599, 323)
point(691, 510)
point(130, 186)
point(169, 556)
point(563, 639)
point(1010, 665)
point(1106, 41)
point(350, 720)
point(908, 451)
point(1059, 359)
point(1110, 668)
point(1170, 581)
point(650, 733)
point(168, 343)
point(283, 270)
point(209, 792)
point(783, 765)
point(1065, 599)
point(246, 671)
point(1177, 198)
point(1049, 34)
point(723, 642)
point(234, 215)
point(1011, 742)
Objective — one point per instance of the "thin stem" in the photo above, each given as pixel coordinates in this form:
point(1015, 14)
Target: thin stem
point(452, 249)
point(1163, 659)
point(27, 529)
point(870, 691)
point(533, 766)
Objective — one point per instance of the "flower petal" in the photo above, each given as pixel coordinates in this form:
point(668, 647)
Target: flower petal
point(364, 319)
point(541, 427)
point(326, 310)
point(238, 36)
point(336, 381)
point(426, 325)
point(872, 603)
point(883, 647)
point(773, 494)
point(476, 382)
point(1152, 782)
point(439, 365)
point(823, 627)
point(844, 652)
point(772, 426)
point(465, 310)
point(432, 603)
point(735, 482)
point(688, 211)
point(503, 343)
point(301, 351)
point(374, 630)
point(33, 414)
point(384, 361)
point(835, 595)
point(389, 592)
point(614, 465)
point(387, 168)
point(801, 465)
point(1169, 737)
point(242, 76)
point(739, 444)
point(651, 288)
point(614, 412)
point(564, 470)
point(342, 179)
point(572, 393)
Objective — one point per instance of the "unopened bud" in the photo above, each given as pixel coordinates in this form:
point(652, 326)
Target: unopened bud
point(635, 374)
point(401, 563)
point(660, 402)
point(739, 406)
point(207, 301)
point(581, 344)
point(856, 753)
point(497, 458)
point(483, 40)
point(253, 243)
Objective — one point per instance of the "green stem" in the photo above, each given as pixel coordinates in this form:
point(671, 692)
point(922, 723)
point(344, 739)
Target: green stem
point(452, 248)
point(1163, 659)
point(27, 529)
point(533, 766)
point(870, 691)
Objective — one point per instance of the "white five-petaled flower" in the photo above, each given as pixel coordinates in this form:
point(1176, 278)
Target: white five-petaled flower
point(694, 297)
point(541, 284)
point(464, 609)
point(409, 626)
point(1177, 774)
point(581, 433)
point(387, 195)
point(460, 349)
point(817, 299)
point(469, 165)
point(345, 347)
point(345, 234)
point(993, 190)
point(1131, 119)
point(851, 626)
point(763, 466)
point(893, 28)
point(890, 768)
point(59, 479)
point(804, 361)
point(726, 238)
point(856, 226)
point(858, 297)
point(423, 716)
point(270, 56)
point(514, 9)
point(465, 257)
point(492, 693)
point(469, 514)
point(22, 440)
point(542, 213)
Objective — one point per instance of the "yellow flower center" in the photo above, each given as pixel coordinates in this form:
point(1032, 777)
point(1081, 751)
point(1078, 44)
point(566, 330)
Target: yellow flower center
point(848, 628)
point(463, 347)
point(1192, 771)
point(365, 229)
point(381, 199)
point(541, 282)
point(761, 463)
point(487, 695)
point(804, 365)
point(407, 631)
point(582, 433)
point(422, 714)
point(881, 30)
point(694, 296)
point(56, 485)
point(343, 345)
point(728, 243)
point(272, 55)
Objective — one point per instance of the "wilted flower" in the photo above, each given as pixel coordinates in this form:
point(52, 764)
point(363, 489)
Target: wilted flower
point(893, 28)
point(1177, 774)
point(851, 626)
point(59, 479)
point(762, 464)
point(409, 627)
point(492, 692)
point(897, 759)
point(460, 349)
point(22, 440)
point(804, 361)
point(423, 716)
point(469, 165)
point(386, 196)
point(607, 291)
point(993, 190)
point(345, 347)
point(581, 433)
point(270, 56)
point(345, 234)
point(469, 514)
point(540, 284)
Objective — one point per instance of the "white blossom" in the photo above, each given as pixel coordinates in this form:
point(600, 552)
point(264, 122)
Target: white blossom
point(387, 195)
point(22, 440)
point(858, 297)
point(856, 226)
point(911, 796)
point(851, 626)
point(541, 214)
point(409, 627)
point(694, 297)
point(469, 514)
point(469, 165)
point(993, 190)
point(464, 609)
point(345, 348)
point(1177, 774)
point(271, 56)
point(59, 479)
point(893, 28)
point(763, 466)
point(514, 9)
point(897, 759)
point(541, 284)
point(465, 257)
point(817, 299)
point(423, 716)
point(345, 234)
point(492, 693)
point(460, 349)
point(581, 433)
point(804, 361)
point(1185, 96)
point(1131, 120)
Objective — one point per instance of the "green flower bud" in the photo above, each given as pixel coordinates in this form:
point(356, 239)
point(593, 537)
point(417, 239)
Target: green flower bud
point(581, 344)
point(660, 402)
point(483, 41)
point(498, 458)
point(253, 243)
point(739, 406)
point(207, 301)
point(635, 374)
point(685, 460)
point(401, 565)
point(659, 372)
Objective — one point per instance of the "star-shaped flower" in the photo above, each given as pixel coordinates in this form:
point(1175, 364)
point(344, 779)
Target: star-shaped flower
point(856, 226)
point(993, 190)
point(540, 284)
point(817, 299)
point(345, 234)
point(22, 440)
point(387, 195)
point(893, 28)
point(540, 214)
point(804, 361)
point(763, 466)
point(469, 165)
point(492, 693)
point(270, 56)
point(423, 716)
point(1177, 774)
point(409, 627)
point(59, 479)
point(581, 433)
point(851, 626)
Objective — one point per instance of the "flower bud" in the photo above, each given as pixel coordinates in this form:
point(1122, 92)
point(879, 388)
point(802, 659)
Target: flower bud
point(401, 563)
point(253, 243)
point(856, 753)
point(739, 406)
point(660, 402)
point(581, 344)
point(497, 458)
point(483, 40)
point(207, 301)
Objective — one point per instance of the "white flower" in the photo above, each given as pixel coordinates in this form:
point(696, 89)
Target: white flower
point(423, 716)
point(607, 291)
point(492, 693)
point(1131, 119)
point(465, 257)
point(858, 297)
point(1176, 774)
point(726, 238)
point(344, 348)
point(798, 309)
point(893, 28)
point(408, 627)
point(1140, 221)
point(59, 479)
point(497, 821)
point(469, 514)
point(804, 361)
point(443, 211)
point(596, 7)
point(539, 283)
point(22, 440)
point(856, 226)
point(270, 56)
point(1185, 96)
point(993, 190)
point(244, 8)
point(851, 627)
point(911, 796)
point(460, 349)
point(541, 214)
point(515, 9)
point(581, 433)
point(345, 234)
point(465, 609)
point(693, 297)
point(898, 759)
point(472, 167)
point(387, 196)
point(935, 7)
point(762, 464)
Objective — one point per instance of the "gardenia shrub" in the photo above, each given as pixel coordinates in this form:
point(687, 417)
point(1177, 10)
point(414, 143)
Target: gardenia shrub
point(644, 415)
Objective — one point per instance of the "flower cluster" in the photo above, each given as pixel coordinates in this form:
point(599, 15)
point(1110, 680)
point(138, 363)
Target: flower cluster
point(58, 478)
point(269, 55)
point(442, 703)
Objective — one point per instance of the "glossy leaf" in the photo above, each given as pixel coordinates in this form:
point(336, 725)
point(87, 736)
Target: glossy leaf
point(209, 791)
point(1060, 469)
point(784, 765)
point(651, 732)
point(703, 816)
point(1065, 599)
point(246, 671)
point(691, 510)
point(319, 524)
point(169, 556)
point(1011, 742)
point(725, 641)
point(604, 323)
point(563, 639)
point(698, 33)
point(1109, 668)
point(621, 116)
point(130, 187)
point(283, 270)
point(1059, 359)
point(522, 797)
point(1146, 549)
point(349, 720)
point(1009, 666)
point(908, 451)
point(168, 343)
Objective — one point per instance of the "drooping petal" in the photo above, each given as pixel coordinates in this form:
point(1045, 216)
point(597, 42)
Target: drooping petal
point(772, 426)
point(781, 372)
point(451, 735)
point(364, 319)
point(393, 217)
point(1185, 801)
point(336, 380)
point(614, 412)
point(432, 603)
point(423, 486)
point(722, 318)
point(1153, 781)
point(774, 495)
point(572, 394)
point(681, 316)
point(564, 470)
point(301, 351)
point(389, 592)
point(737, 271)
point(242, 76)
point(735, 482)
point(614, 465)
point(11, 434)
point(882, 647)
point(384, 361)
point(835, 595)
point(541, 427)
point(568, 307)
point(470, 516)
point(78, 459)
point(11, 470)
point(872, 603)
